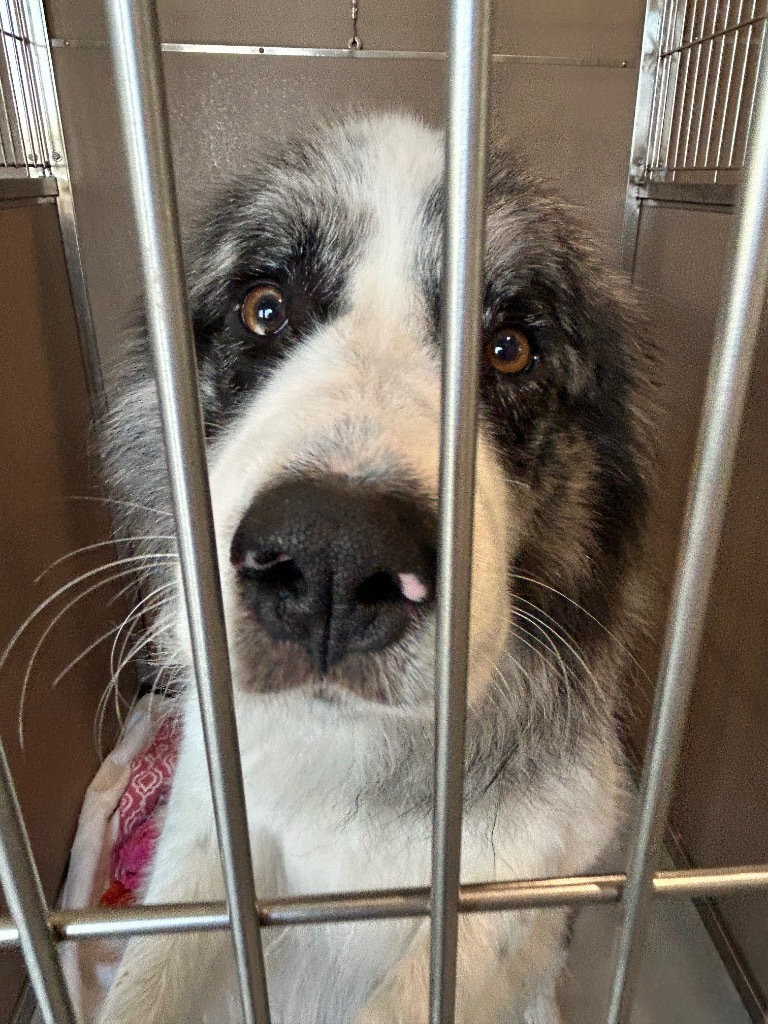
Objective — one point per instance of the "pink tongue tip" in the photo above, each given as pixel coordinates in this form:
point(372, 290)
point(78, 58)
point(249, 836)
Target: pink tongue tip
point(411, 587)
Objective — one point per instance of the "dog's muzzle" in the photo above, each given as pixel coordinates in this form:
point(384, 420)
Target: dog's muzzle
point(335, 565)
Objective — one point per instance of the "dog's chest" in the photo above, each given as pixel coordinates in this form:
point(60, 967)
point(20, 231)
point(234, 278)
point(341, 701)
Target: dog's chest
point(328, 836)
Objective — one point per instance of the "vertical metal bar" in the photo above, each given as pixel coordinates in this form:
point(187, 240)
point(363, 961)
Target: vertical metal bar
point(24, 894)
point(135, 38)
point(469, 46)
point(740, 91)
point(760, 52)
point(716, 93)
point(31, 77)
point(6, 142)
point(66, 208)
point(732, 355)
point(678, 58)
point(741, 130)
point(705, 87)
point(678, 114)
point(727, 96)
point(655, 13)
point(659, 89)
point(696, 81)
point(12, 140)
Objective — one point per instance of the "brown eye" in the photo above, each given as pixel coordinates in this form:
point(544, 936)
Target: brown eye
point(264, 310)
point(509, 351)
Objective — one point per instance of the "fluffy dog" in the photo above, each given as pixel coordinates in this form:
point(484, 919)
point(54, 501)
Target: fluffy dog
point(314, 282)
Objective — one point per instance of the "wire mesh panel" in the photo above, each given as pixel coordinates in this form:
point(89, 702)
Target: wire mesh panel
point(26, 149)
point(706, 78)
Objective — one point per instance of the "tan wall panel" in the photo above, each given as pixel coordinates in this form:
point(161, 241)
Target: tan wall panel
point(44, 421)
point(720, 805)
point(601, 30)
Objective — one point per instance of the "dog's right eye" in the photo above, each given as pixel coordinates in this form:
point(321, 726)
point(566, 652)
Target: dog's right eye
point(264, 310)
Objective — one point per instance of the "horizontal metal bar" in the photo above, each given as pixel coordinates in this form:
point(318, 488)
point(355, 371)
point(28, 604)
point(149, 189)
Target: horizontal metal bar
point(15, 36)
point(483, 897)
point(713, 35)
point(679, 192)
point(27, 188)
point(237, 49)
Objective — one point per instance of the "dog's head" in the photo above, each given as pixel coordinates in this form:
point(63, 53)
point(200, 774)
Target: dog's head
point(314, 284)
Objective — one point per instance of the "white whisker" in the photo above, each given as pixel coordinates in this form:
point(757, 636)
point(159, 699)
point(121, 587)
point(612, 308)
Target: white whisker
point(47, 631)
point(117, 501)
point(102, 544)
point(134, 615)
point(132, 560)
point(581, 608)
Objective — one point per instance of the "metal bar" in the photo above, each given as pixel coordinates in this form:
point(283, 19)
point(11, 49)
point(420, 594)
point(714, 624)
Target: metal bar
point(24, 895)
point(657, 117)
point(714, 35)
point(14, 187)
point(761, 50)
point(695, 89)
point(727, 97)
point(38, 121)
point(135, 37)
point(655, 14)
point(21, 90)
point(672, 192)
point(678, 59)
point(678, 112)
point(732, 355)
point(66, 209)
point(9, 121)
point(469, 46)
point(716, 93)
point(740, 93)
point(387, 904)
point(254, 50)
point(705, 88)
point(13, 82)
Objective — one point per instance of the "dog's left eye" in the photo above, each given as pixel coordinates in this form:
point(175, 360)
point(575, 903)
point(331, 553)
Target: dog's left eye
point(510, 351)
point(264, 310)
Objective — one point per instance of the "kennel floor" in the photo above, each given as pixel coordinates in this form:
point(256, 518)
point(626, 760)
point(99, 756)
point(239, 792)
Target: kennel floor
point(682, 980)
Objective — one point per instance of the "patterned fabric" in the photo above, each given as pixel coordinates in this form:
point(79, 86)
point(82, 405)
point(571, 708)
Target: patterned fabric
point(139, 813)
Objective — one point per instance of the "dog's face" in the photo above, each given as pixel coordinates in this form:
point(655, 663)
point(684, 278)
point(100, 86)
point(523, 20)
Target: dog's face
point(314, 285)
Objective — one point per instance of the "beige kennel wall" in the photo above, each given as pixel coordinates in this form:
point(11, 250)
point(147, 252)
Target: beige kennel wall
point(720, 809)
point(45, 414)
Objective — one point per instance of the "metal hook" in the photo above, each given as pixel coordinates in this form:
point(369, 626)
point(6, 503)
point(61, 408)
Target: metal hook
point(355, 43)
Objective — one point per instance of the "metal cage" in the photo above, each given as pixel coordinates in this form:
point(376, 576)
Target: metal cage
point(706, 83)
point(690, 40)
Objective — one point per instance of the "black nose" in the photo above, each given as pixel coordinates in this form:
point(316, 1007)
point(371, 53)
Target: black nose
point(336, 566)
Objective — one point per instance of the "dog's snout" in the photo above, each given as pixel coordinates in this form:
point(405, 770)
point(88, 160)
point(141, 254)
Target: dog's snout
point(336, 566)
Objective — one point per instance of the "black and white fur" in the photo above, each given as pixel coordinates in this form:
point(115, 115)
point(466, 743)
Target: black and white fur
point(338, 764)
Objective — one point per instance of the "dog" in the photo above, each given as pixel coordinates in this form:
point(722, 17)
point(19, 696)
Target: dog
point(314, 283)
